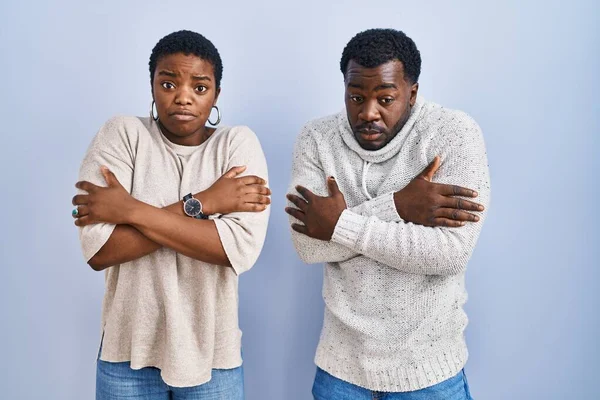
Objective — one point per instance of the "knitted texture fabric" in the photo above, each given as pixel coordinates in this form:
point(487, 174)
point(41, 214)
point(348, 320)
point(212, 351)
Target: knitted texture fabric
point(393, 291)
point(167, 310)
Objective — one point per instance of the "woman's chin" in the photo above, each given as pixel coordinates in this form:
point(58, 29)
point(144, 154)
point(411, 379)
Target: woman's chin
point(183, 129)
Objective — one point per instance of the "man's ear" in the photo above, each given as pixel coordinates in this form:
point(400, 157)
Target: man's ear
point(414, 89)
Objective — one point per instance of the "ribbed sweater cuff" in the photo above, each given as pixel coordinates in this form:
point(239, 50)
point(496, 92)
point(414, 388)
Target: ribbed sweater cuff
point(384, 208)
point(348, 229)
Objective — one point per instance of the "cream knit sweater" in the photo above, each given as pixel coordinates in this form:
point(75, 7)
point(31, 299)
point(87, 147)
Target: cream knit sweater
point(393, 291)
point(165, 309)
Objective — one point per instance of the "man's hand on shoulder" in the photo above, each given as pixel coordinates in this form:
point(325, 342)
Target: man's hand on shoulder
point(318, 215)
point(426, 203)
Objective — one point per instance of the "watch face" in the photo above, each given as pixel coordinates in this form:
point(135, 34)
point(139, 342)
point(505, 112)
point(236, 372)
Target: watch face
point(192, 207)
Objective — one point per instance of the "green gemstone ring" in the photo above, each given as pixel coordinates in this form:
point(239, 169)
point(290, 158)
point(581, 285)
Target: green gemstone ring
point(75, 212)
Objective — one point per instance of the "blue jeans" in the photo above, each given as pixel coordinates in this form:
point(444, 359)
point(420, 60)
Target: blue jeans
point(118, 381)
point(328, 387)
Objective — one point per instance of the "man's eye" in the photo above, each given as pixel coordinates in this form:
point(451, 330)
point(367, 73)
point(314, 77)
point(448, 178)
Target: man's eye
point(168, 85)
point(356, 99)
point(202, 88)
point(387, 100)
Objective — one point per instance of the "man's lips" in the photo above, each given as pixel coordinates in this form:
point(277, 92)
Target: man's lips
point(370, 135)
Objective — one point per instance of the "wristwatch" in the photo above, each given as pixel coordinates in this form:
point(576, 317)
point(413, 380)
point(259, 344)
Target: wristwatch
point(192, 207)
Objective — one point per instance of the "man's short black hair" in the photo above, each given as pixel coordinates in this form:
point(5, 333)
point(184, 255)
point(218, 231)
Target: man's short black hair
point(374, 47)
point(188, 43)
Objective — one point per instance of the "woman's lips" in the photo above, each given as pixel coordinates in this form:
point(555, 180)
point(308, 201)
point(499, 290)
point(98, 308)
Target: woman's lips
point(183, 116)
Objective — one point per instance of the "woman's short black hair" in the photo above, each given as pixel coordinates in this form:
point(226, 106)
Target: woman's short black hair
point(374, 47)
point(189, 43)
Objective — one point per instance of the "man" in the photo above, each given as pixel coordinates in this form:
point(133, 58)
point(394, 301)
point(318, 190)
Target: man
point(378, 201)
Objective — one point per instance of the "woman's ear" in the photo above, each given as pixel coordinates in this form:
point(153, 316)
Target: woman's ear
point(217, 93)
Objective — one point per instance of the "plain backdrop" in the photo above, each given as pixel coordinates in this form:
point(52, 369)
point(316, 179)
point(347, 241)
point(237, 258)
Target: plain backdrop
point(527, 71)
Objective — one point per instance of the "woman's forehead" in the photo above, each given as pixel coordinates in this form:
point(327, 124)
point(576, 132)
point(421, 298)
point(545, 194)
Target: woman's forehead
point(184, 64)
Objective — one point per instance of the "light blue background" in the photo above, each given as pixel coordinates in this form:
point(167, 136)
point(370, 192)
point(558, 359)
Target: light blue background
point(527, 72)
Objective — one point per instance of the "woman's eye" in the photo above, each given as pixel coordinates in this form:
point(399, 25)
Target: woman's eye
point(202, 88)
point(168, 85)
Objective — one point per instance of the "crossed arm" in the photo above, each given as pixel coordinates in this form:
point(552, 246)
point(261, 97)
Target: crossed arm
point(423, 228)
point(142, 229)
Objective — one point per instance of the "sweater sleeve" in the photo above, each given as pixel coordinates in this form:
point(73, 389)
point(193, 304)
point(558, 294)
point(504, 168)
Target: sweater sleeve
point(419, 249)
point(308, 172)
point(243, 234)
point(113, 148)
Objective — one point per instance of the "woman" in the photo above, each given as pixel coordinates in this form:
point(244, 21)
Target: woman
point(164, 209)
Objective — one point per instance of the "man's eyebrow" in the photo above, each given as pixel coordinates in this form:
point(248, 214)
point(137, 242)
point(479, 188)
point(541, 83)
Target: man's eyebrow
point(386, 86)
point(379, 87)
point(201, 78)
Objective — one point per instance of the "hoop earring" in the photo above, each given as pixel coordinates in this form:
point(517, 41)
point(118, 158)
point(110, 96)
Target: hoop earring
point(152, 111)
point(218, 117)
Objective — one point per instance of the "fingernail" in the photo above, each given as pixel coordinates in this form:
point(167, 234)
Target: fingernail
point(480, 208)
point(332, 178)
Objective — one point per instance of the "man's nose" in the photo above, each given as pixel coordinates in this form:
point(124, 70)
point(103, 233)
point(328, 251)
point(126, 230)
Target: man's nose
point(369, 112)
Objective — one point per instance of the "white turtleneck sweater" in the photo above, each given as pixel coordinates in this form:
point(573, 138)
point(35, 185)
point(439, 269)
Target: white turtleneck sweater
point(394, 291)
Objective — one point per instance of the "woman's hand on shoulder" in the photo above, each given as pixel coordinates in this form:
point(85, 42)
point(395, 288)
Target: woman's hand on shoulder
point(234, 193)
point(111, 204)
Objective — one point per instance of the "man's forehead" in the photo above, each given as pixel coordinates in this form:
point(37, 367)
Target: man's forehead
point(390, 71)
